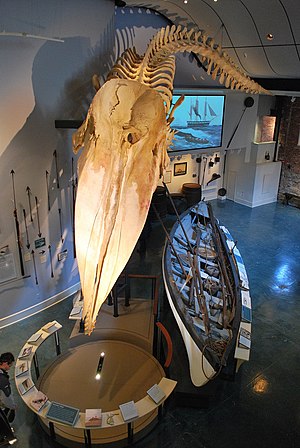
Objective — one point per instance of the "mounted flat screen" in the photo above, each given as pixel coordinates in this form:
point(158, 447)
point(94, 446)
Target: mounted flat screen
point(198, 122)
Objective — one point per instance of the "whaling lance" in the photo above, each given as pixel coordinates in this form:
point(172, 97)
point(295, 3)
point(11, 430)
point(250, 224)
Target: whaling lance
point(47, 187)
point(50, 256)
point(60, 225)
point(29, 202)
point(26, 229)
point(56, 168)
point(17, 226)
point(34, 266)
point(38, 216)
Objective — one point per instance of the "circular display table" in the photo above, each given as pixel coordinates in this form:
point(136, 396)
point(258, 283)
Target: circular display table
point(127, 373)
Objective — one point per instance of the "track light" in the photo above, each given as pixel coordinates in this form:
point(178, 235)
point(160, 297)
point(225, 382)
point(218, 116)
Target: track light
point(100, 365)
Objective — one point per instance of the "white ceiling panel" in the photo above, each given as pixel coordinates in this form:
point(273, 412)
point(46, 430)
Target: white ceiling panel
point(241, 28)
point(285, 63)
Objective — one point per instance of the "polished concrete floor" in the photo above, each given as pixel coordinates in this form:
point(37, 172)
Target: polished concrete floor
point(261, 407)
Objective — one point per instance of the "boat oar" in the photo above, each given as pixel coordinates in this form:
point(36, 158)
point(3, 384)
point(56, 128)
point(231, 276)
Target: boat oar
point(191, 295)
point(199, 279)
point(224, 313)
point(169, 239)
point(218, 246)
point(199, 291)
point(201, 298)
point(178, 217)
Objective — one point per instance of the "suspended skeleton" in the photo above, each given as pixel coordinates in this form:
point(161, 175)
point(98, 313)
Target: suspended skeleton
point(125, 136)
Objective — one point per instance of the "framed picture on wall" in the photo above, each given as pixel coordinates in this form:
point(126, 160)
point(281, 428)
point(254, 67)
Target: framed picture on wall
point(180, 169)
point(167, 177)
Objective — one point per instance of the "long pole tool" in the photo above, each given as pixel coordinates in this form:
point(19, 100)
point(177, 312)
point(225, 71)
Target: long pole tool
point(17, 226)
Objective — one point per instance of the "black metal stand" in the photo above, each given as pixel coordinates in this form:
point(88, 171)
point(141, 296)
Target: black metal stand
point(160, 412)
point(36, 366)
point(87, 438)
point(52, 431)
point(127, 290)
point(130, 433)
point(57, 344)
point(115, 301)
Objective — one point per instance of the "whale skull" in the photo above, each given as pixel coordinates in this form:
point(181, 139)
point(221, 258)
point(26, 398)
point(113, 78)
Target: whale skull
point(125, 153)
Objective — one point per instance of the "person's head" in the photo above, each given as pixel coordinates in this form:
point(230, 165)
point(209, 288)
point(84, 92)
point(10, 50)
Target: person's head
point(6, 360)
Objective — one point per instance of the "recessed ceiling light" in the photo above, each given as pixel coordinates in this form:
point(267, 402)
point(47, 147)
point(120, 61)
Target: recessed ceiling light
point(185, 1)
point(270, 36)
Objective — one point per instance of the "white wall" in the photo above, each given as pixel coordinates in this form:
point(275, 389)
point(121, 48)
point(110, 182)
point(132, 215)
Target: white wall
point(250, 178)
point(41, 81)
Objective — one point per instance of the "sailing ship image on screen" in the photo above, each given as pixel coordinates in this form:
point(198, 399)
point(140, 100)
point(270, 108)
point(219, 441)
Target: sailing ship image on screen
point(198, 122)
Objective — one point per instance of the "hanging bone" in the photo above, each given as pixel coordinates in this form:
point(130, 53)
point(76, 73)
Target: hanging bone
point(125, 136)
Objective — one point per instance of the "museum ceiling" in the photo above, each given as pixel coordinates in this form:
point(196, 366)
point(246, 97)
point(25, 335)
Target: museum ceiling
point(263, 37)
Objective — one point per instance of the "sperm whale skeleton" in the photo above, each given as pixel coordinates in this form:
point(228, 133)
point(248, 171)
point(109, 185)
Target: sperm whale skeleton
point(125, 138)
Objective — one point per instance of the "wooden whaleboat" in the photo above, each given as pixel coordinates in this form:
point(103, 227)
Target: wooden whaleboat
point(208, 291)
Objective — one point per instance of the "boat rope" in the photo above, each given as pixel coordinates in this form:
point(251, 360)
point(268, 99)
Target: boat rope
point(216, 347)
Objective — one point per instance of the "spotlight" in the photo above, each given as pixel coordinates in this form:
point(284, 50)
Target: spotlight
point(100, 365)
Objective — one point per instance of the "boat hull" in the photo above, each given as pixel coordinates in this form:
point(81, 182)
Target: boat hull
point(200, 374)
point(196, 331)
